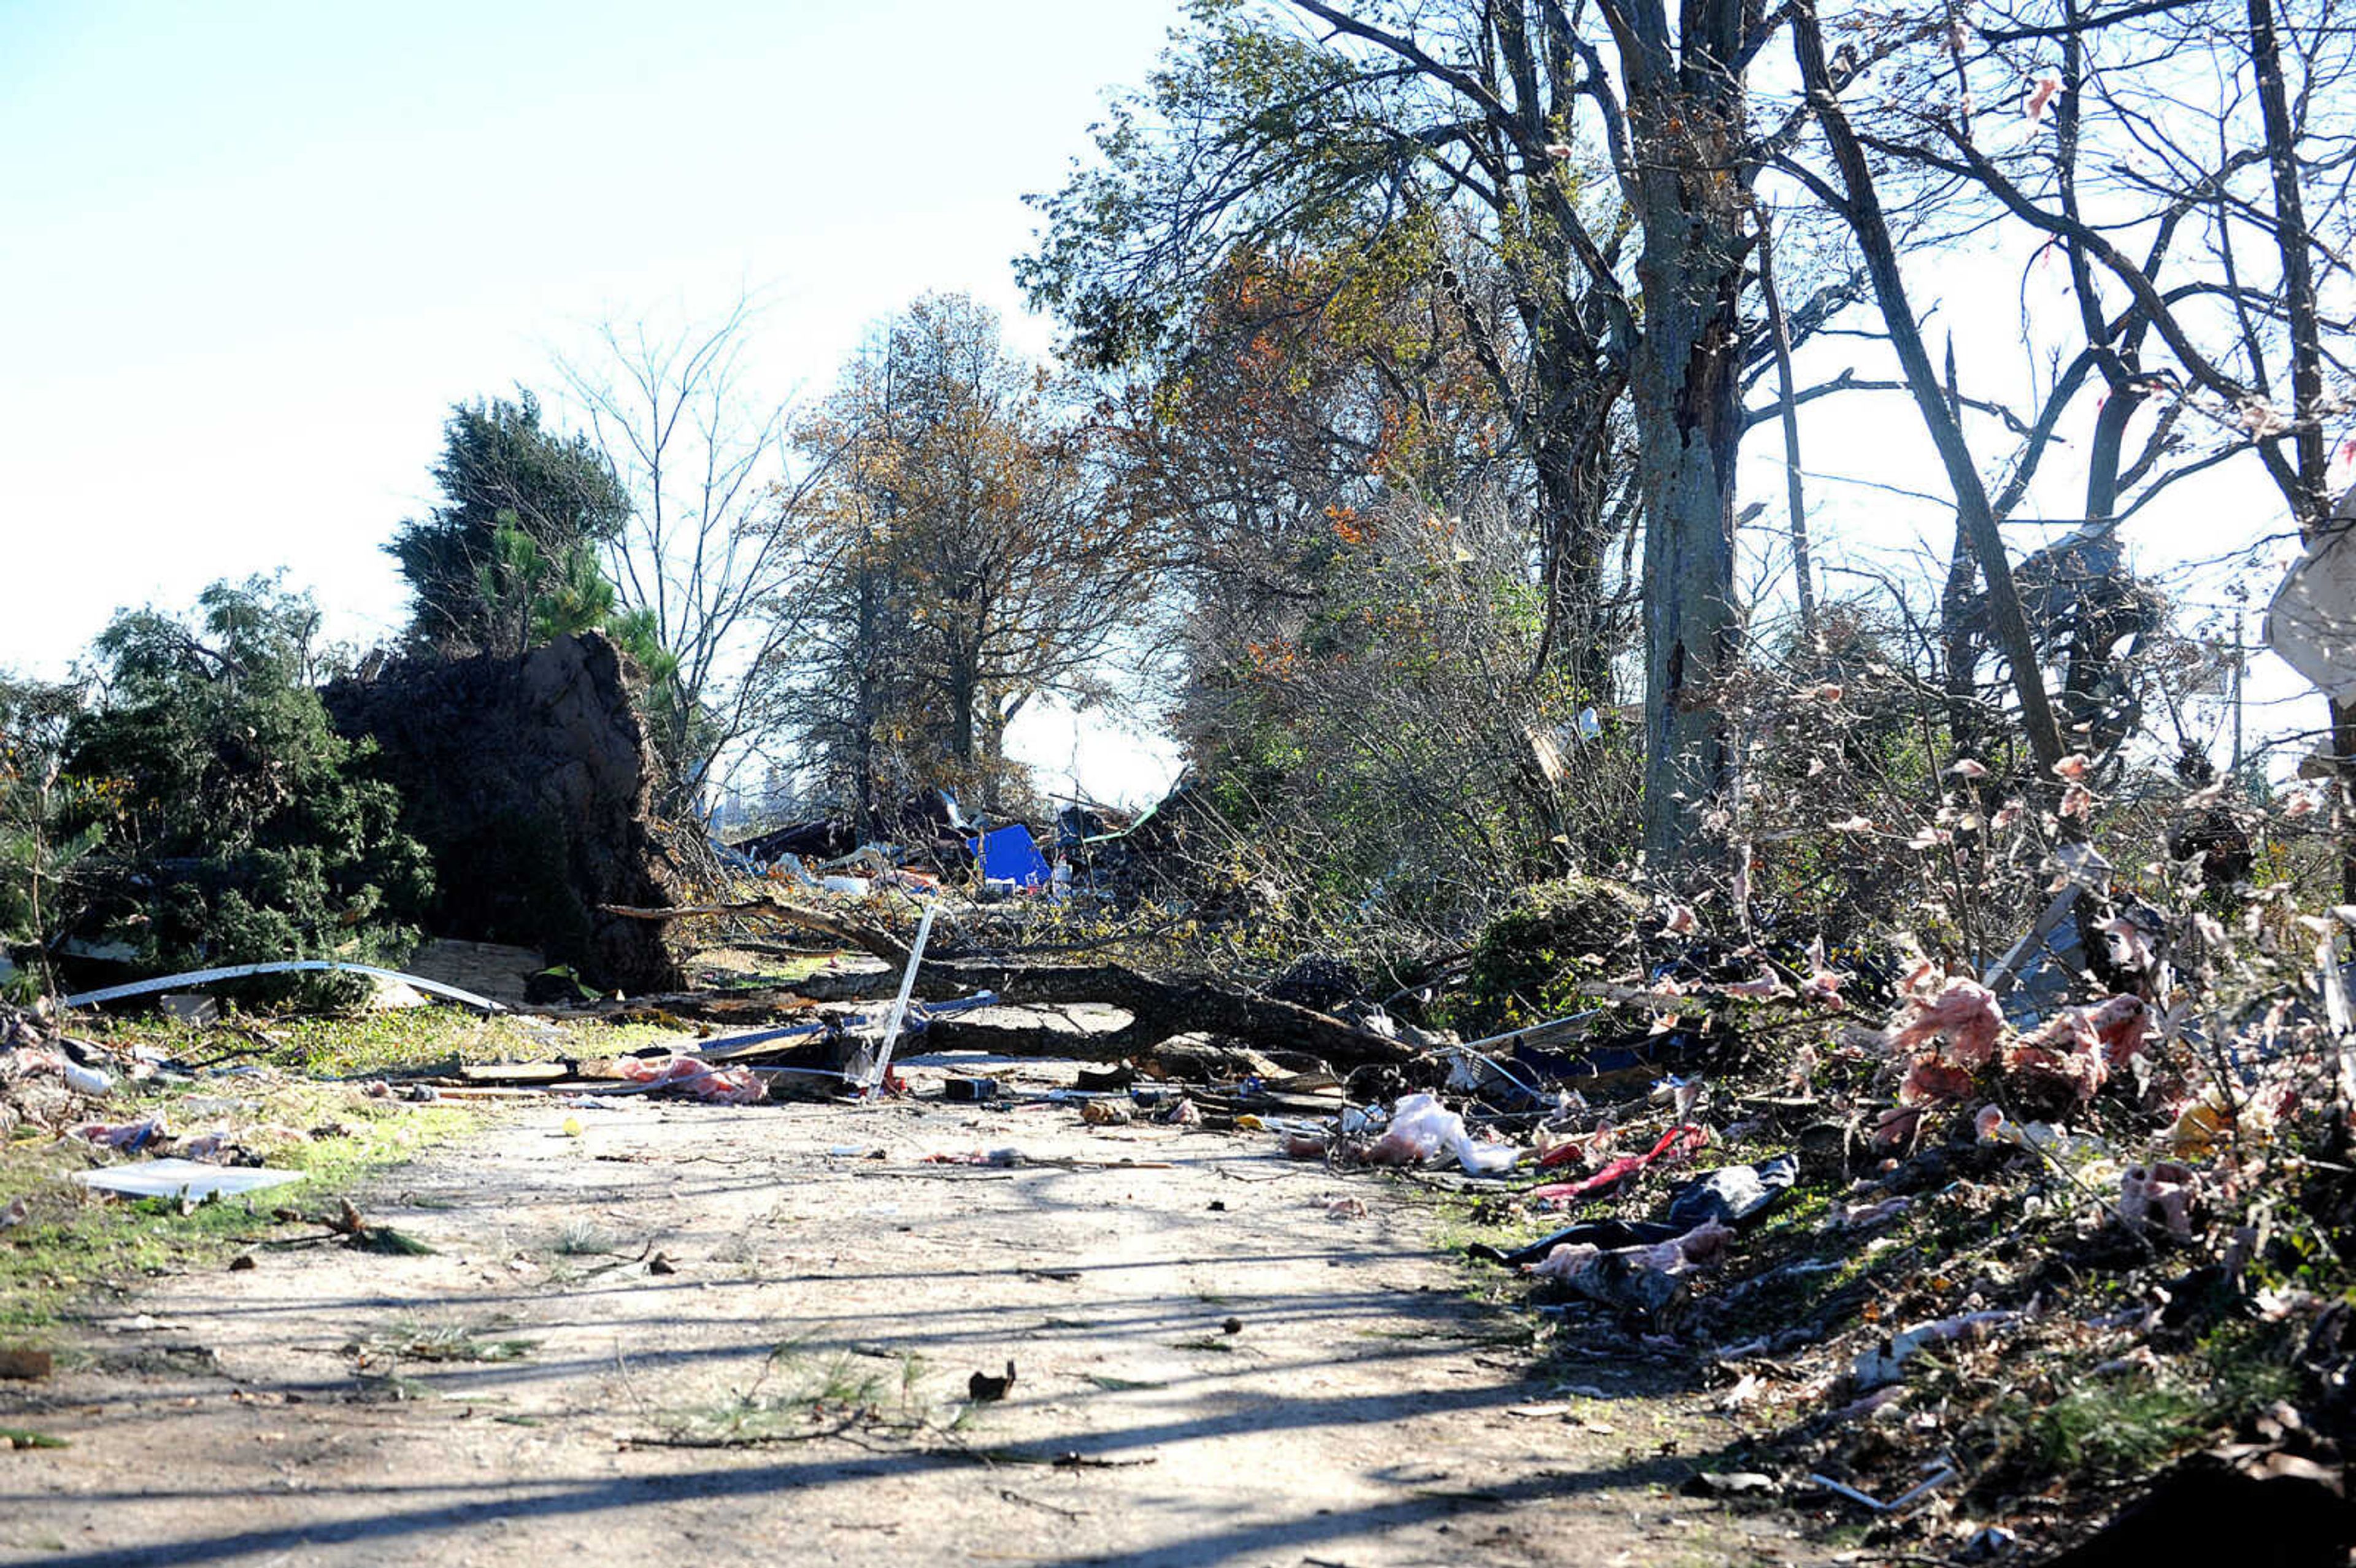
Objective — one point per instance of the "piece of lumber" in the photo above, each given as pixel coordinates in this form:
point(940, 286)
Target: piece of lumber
point(514, 1072)
point(826, 922)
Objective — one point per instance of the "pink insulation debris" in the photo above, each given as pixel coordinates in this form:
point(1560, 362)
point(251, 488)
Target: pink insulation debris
point(698, 1079)
point(1966, 1014)
point(2160, 1193)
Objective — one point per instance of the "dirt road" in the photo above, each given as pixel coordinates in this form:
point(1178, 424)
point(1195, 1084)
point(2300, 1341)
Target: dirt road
point(1242, 1376)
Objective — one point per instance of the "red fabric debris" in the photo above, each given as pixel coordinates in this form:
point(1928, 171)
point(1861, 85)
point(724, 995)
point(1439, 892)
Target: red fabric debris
point(714, 1085)
point(1676, 1144)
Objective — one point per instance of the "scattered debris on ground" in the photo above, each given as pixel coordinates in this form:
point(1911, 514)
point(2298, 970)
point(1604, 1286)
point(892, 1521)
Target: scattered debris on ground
point(1960, 1261)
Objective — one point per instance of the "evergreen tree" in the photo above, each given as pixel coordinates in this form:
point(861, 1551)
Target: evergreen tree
point(502, 471)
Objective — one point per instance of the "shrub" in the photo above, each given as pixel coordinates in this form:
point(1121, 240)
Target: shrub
point(239, 826)
point(1527, 960)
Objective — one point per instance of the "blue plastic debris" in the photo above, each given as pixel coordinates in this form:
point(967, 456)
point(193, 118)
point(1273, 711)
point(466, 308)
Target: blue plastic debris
point(1010, 855)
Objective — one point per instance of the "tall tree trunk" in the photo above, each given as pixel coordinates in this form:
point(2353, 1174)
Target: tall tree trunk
point(1572, 495)
point(1796, 500)
point(2310, 494)
point(1686, 126)
point(964, 692)
point(1958, 645)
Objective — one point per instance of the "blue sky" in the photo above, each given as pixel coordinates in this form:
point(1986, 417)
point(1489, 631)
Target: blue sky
point(250, 253)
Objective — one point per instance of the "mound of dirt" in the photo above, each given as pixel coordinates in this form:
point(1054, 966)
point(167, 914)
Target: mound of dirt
point(531, 781)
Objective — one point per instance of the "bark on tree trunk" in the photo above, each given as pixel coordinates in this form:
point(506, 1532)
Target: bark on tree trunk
point(2310, 495)
point(1685, 388)
point(1795, 493)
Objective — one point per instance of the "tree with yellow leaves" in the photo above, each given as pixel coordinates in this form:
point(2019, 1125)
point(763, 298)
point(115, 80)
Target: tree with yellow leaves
point(973, 565)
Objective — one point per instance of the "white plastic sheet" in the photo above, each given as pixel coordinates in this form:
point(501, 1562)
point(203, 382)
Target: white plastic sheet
point(2312, 621)
point(1421, 1127)
point(184, 1179)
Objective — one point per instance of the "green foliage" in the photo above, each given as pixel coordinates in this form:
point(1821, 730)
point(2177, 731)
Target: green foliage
point(48, 827)
point(511, 548)
point(2115, 1429)
point(1256, 135)
point(1528, 960)
point(634, 632)
point(550, 592)
point(238, 827)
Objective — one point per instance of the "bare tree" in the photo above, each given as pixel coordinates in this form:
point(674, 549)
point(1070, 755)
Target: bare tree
point(708, 553)
point(2176, 196)
point(974, 565)
point(1858, 201)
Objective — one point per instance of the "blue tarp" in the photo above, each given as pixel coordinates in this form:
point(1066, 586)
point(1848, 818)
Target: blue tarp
point(1009, 855)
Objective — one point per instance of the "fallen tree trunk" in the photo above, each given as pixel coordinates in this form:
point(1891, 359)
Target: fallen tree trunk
point(1157, 1008)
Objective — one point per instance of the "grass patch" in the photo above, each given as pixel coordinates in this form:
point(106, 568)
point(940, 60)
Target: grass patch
point(411, 1340)
point(2110, 1432)
point(583, 1238)
point(24, 1437)
point(390, 1040)
point(2248, 1370)
point(797, 1392)
point(76, 1246)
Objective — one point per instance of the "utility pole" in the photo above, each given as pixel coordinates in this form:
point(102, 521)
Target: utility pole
point(2240, 665)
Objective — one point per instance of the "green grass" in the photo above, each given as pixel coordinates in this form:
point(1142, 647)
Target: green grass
point(583, 1238)
point(24, 1437)
point(391, 1039)
point(78, 1247)
point(2128, 1427)
point(414, 1339)
point(797, 1390)
point(2115, 1431)
point(2248, 1369)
